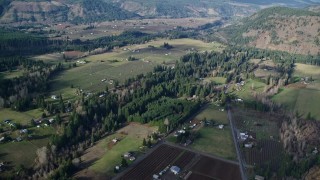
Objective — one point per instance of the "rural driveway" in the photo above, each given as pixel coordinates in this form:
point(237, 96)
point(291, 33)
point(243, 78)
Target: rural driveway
point(235, 140)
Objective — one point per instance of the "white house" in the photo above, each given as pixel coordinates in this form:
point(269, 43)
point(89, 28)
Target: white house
point(248, 145)
point(127, 155)
point(155, 176)
point(243, 136)
point(54, 97)
point(51, 120)
point(175, 170)
point(115, 140)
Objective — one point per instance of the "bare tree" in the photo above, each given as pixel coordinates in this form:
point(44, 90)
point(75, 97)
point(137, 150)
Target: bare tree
point(167, 123)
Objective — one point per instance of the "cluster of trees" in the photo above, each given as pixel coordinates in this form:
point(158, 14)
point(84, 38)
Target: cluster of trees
point(19, 92)
point(107, 11)
point(18, 43)
point(288, 168)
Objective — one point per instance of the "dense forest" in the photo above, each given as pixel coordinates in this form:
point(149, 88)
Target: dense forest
point(108, 11)
point(19, 92)
point(19, 43)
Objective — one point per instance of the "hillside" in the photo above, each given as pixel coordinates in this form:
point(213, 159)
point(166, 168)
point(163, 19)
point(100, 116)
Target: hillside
point(279, 28)
point(87, 11)
point(186, 8)
point(77, 11)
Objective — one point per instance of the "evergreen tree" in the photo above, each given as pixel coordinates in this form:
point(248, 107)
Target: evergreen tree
point(124, 162)
point(144, 142)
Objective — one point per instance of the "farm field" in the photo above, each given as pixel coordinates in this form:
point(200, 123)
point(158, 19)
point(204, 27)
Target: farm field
point(302, 97)
point(105, 155)
point(213, 140)
point(267, 151)
point(212, 113)
point(22, 118)
point(24, 152)
point(109, 28)
point(113, 65)
point(12, 74)
point(152, 51)
point(264, 129)
point(166, 155)
point(246, 92)
point(262, 124)
point(215, 169)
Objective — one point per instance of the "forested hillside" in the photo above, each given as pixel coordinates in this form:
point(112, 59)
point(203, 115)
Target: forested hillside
point(78, 11)
point(85, 11)
point(279, 28)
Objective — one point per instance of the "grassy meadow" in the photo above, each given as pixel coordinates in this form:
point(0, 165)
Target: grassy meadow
point(303, 99)
point(113, 65)
point(213, 140)
point(249, 88)
point(24, 152)
point(105, 155)
point(22, 118)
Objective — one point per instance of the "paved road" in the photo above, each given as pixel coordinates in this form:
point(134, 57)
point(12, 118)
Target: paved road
point(235, 140)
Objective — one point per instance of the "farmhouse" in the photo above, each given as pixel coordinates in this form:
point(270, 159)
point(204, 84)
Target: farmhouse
point(7, 121)
point(22, 131)
point(315, 151)
point(243, 136)
point(127, 155)
point(155, 176)
point(248, 145)
point(115, 140)
point(175, 170)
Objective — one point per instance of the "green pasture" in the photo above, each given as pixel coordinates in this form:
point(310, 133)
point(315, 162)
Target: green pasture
point(89, 77)
point(51, 58)
point(154, 52)
point(303, 70)
point(22, 118)
point(302, 99)
point(24, 152)
point(113, 65)
point(215, 141)
point(247, 92)
point(247, 120)
point(112, 157)
point(11, 74)
point(212, 113)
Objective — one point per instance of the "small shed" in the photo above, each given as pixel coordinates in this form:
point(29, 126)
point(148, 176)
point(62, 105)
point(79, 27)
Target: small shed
point(248, 145)
point(155, 176)
point(175, 170)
